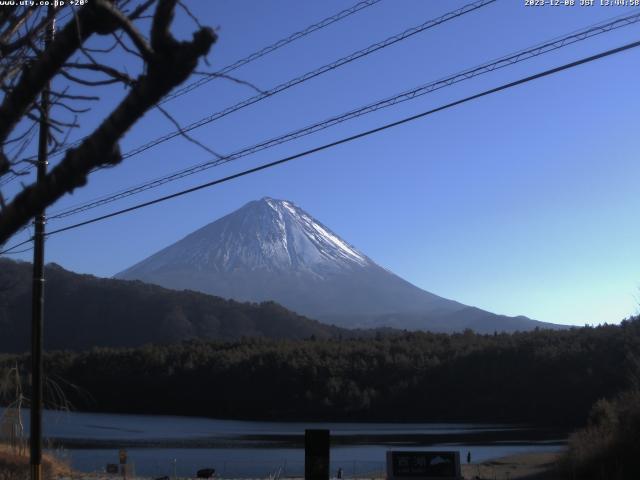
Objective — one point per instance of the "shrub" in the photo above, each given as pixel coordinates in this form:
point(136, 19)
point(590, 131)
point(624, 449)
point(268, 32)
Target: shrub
point(15, 466)
point(608, 447)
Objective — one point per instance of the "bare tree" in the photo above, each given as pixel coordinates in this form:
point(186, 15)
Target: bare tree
point(12, 396)
point(85, 54)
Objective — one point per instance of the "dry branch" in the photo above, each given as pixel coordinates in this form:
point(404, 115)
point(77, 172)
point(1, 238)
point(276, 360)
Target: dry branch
point(168, 63)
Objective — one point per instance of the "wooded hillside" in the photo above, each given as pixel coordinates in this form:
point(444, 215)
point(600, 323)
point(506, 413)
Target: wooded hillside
point(544, 377)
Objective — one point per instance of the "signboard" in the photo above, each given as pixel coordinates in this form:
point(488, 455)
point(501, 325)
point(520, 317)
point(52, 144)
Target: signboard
point(316, 454)
point(423, 465)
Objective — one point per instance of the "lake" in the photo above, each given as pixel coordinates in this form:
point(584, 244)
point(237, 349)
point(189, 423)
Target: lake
point(167, 445)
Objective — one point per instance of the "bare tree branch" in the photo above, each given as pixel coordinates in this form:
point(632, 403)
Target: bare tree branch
point(123, 22)
point(168, 63)
point(111, 72)
point(6, 49)
point(233, 79)
point(15, 105)
point(185, 134)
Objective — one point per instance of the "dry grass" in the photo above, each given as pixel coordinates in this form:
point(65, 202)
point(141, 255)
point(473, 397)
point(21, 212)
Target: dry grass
point(529, 466)
point(607, 449)
point(15, 466)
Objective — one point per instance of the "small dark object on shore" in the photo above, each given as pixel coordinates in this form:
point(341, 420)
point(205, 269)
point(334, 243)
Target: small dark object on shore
point(163, 478)
point(206, 473)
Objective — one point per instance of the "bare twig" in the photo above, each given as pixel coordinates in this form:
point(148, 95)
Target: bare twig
point(97, 67)
point(185, 134)
point(231, 78)
point(167, 64)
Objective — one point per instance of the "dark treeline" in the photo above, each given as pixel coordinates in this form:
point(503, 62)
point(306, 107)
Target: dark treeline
point(545, 377)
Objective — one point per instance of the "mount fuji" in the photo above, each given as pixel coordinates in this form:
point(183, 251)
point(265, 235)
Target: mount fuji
point(273, 250)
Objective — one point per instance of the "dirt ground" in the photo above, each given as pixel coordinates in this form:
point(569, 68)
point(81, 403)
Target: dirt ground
point(531, 466)
point(14, 465)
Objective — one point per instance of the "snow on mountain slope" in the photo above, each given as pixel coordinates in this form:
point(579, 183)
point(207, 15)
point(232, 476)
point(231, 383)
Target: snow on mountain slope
point(273, 250)
point(267, 235)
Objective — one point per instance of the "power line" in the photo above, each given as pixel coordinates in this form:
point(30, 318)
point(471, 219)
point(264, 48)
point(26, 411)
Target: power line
point(366, 133)
point(502, 62)
point(271, 48)
point(237, 64)
point(10, 249)
point(18, 252)
point(8, 179)
point(309, 75)
point(313, 74)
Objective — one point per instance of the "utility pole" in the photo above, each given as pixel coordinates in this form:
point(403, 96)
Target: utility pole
point(37, 308)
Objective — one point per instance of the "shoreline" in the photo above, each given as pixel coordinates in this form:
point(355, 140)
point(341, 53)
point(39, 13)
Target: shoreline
point(524, 466)
point(513, 437)
point(529, 466)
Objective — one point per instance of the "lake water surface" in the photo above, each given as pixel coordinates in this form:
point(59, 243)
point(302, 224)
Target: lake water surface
point(164, 445)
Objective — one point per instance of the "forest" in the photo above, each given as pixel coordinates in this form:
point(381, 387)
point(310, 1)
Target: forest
point(83, 311)
point(541, 377)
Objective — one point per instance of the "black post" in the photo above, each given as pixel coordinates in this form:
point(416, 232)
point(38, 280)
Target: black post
point(316, 454)
point(37, 309)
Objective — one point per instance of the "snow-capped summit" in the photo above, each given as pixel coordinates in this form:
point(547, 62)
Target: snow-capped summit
point(288, 237)
point(273, 250)
point(264, 235)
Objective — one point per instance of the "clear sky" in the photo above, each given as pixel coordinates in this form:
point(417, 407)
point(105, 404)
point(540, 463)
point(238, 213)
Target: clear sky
point(521, 203)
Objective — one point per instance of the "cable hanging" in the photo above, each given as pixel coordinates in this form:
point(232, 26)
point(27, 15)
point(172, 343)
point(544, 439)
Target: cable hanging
point(271, 48)
point(238, 63)
point(313, 74)
point(373, 131)
point(9, 251)
point(497, 64)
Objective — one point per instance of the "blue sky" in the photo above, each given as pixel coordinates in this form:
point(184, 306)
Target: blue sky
point(523, 202)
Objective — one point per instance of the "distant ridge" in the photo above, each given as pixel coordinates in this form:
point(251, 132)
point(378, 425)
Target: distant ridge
point(83, 311)
point(273, 250)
